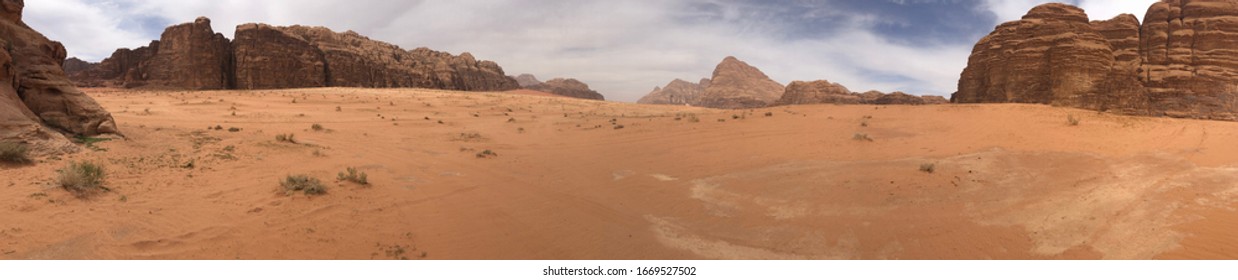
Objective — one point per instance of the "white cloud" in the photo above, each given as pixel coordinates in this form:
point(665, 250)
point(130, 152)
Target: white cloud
point(86, 29)
point(1107, 9)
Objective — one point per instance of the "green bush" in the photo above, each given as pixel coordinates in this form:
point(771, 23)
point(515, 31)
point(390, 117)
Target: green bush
point(353, 176)
point(14, 152)
point(81, 177)
point(303, 183)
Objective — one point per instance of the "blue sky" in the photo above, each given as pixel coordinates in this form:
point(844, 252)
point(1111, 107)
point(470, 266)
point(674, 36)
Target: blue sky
point(620, 48)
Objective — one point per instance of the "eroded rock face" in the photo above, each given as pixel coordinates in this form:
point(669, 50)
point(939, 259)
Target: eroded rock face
point(735, 85)
point(527, 80)
point(1181, 62)
point(1190, 58)
point(269, 58)
point(1051, 56)
point(192, 56)
point(677, 92)
point(899, 98)
point(818, 92)
point(569, 88)
point(36, 98)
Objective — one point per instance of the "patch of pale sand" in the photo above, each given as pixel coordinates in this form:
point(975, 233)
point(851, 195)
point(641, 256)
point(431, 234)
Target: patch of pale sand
point(663, 177)
point(677, 236)
point(621, 174)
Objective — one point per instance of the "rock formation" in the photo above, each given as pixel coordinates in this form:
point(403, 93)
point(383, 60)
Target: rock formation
point(1051, 56)
point(268, 57)
point(820, 91)
point(736, 85)
point(1181, 62)
point(677, 92)
point(37, 100)
point(567, 87)
point(192, 56)
point(527, 80)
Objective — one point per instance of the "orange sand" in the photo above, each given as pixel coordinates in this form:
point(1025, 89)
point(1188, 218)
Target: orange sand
point(1010, 182)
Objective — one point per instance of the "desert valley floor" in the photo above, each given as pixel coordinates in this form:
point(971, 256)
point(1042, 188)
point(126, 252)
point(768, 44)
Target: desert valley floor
point(577, 179)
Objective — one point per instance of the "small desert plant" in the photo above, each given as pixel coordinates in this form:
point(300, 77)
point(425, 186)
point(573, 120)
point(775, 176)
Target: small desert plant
point(286, 138)
point(619, 126)
point(1071, 120)
point(861, 137)
point(769, 114)
point(14, 152)
point(354, 176)
point(303, 183)
point(487, 154)
point(694, 119)
point(928, 167)
point(81, 178)
point(316, 127)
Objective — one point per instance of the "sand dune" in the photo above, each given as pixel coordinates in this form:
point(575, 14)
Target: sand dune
point(578, 179)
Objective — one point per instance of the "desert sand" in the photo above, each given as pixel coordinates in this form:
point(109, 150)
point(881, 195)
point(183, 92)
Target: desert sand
point(1009, 181)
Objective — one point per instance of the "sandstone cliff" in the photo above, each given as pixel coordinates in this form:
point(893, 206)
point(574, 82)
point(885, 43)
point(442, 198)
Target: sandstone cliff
point(677, 92)
point(37, 100)
point(1181, 62)
point(192, 56)
point(816, 92)
point(736, 85)
point(567, 87)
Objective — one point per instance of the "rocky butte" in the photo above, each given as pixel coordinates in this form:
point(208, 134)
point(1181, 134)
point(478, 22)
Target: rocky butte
point(677, 92)
point(38, 103)
point(737, 85)
point(559, 86)
point(192, 56)
point(1181, 62)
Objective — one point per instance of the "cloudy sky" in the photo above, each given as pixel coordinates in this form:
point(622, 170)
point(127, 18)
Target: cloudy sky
point(620, 48)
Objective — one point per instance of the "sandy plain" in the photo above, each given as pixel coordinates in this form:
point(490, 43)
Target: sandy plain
point(578, 179)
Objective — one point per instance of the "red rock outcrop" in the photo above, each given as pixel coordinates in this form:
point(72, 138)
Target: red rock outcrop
point(818, 92)
point(123, 65)
point(899, 98)
point(526, 80)
point(268, 58)
point(677, 92)
point(1190, 58)
point(736, 85)
point(567, 87)
point(1051, 56)
point(1181, 62)
point(193, 56)
point(36, 98)
point(189, 56)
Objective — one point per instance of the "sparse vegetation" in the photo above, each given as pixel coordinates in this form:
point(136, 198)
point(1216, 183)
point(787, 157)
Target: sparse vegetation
point(302, 183)
point(316, 127)
point(286, 138)
point(1071, 120)
point(928, 167)
point(234, 129)
point(81, 178)
point(769, 114)
point(861, 137)
point(619, 126)
point(487, 154)
point(354, 176)
point(14, 152)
